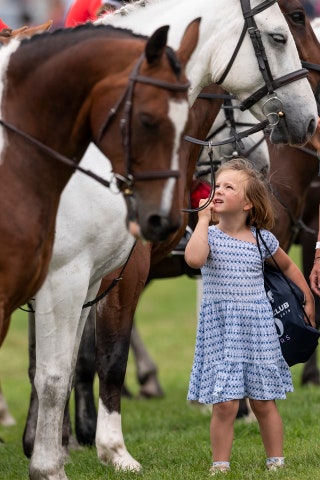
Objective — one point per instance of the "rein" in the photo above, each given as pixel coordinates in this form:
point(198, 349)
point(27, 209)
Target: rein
point(271, 84)
point(52, 153)
point(236, 138)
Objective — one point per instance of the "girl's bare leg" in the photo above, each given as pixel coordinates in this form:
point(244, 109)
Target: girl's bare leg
point(222, 429)
point(271, 426)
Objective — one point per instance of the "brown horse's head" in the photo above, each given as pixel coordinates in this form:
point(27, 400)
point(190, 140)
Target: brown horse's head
point(155, 113)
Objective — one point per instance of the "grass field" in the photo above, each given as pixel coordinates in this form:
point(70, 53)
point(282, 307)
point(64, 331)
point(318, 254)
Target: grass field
point(169, 437)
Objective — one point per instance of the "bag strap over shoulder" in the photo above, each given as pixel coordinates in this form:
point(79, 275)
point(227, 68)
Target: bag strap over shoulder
point(259, 236)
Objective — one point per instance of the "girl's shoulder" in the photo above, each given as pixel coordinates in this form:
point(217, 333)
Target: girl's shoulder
point(270, 240)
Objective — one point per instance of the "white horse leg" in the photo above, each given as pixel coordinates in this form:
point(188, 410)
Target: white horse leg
point(59, 325)
point(110, 442)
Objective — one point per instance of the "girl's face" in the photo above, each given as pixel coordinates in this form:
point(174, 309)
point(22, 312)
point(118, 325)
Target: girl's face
point(229, 196)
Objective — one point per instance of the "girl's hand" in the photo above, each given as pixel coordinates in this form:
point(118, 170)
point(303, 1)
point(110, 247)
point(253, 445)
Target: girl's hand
point(315, 278)
point(206, 213)
point(309, 308)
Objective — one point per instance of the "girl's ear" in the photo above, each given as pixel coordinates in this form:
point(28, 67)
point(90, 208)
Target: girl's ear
point(247, 206)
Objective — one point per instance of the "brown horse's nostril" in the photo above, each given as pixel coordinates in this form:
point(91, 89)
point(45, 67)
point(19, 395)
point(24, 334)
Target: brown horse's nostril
point(158, 228)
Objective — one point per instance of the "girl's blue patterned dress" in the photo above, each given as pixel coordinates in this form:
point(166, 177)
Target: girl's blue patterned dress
point(237, 352)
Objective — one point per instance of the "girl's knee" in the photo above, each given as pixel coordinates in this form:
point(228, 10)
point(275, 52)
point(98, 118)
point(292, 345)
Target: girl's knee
point(226, 409)
point(263, 407)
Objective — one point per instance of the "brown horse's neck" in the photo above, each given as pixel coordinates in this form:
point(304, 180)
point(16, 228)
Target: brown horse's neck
point(291, 174)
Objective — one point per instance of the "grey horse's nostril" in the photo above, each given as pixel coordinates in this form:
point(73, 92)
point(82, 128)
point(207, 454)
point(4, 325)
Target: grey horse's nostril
point(312, 127)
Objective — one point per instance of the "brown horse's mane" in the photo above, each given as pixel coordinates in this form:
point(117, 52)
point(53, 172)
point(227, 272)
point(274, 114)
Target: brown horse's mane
point(68, 34)
point(80, 33)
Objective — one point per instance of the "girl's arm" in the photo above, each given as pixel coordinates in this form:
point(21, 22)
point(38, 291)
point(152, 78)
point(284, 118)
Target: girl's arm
point(315, 272)
point(291, 270)
point(197, 249)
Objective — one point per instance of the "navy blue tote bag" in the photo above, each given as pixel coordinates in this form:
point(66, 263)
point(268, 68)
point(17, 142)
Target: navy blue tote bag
point(298, 339)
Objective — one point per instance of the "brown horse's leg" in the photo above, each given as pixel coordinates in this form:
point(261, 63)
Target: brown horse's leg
point(114, 317)
point(85, 409)
point(307, 239)
point(147, 371)
point(31, 422)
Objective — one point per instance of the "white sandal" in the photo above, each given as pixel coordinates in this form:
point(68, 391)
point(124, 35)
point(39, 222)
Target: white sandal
point(219, 467)
point(275, 463)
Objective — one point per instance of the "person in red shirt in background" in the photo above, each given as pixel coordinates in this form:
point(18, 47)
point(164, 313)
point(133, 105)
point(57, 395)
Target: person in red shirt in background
point(2, 25)
point(82, 11)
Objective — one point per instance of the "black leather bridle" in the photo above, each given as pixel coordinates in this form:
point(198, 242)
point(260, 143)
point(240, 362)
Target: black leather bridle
point(125, 182)
point(271, 84)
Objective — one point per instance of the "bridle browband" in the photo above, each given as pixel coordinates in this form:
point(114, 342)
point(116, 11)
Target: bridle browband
point(125, 124)
point(271, 84)
point(126, 182)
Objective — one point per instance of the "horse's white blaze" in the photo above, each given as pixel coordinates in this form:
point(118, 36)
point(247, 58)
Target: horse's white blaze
point(315, 23)
point(110, 443)
point(178, 113)
point(5, 55)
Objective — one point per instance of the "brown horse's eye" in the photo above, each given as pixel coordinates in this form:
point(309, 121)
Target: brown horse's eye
point(298, 17)
point(148, 120)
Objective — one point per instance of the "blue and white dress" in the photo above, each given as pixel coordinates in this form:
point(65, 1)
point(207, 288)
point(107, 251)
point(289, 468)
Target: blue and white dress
point(237, 352)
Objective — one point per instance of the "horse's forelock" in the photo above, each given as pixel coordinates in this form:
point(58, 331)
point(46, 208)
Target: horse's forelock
point(173, 60)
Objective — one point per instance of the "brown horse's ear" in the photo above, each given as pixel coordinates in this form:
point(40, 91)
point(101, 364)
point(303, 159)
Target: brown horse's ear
point(156, 44)
point(189, 41)
point(18, 31)
point(27, 32)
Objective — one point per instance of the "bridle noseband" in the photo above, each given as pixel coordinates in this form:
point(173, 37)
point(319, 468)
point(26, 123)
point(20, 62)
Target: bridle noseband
point(125, 182)
point(271, 84)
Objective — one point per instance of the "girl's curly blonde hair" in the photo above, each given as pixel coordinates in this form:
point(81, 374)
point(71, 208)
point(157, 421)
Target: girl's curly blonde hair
point(257, 192)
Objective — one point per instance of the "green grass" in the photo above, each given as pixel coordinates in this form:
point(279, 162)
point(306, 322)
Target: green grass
point(168, 436)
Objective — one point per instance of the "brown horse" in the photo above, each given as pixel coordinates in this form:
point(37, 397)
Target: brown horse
point(57, 74)
point(306, 238)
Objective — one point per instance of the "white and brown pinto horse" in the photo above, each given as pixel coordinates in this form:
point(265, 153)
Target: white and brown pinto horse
point(75, 272)
point(55, 97)
point(117, 309)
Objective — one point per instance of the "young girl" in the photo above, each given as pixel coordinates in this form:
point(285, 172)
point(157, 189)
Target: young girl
point(237, 351)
